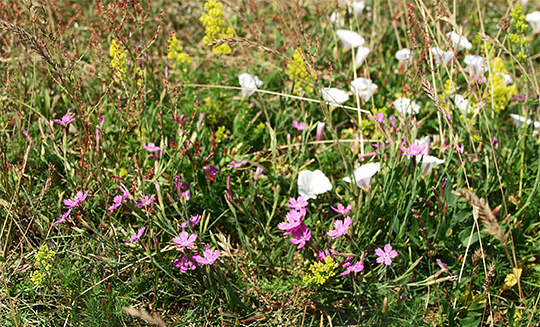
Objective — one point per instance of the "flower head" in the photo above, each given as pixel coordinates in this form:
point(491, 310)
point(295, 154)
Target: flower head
point(184, 264)
point(301, 236)
point(341, 209)
point(363, 87)
point(476, 64)
point(79, 197)
point(137, 236)
point(413, 150)
point(519, 120)
point(341, 228)
point(297, 203)
point(258, 172)
point(211, 172)
point(294, 220)
point(185, 240)
point(442, 57)
point(361, 55)
point(235, 164)
point(299, 126)
point(208, 257)
point(333, 96)
point(459, 42)
point(428, 162)
point(350, 39)
point(312, 183)
point(146, 200)
point(62, 218)
point(66, 119)
point(192, 221)
point(356, 267)
point(151, 147)
point(363, 175)
point(379, 118)
point(249, 84)
point(406, 107)
point(534, 20)
point(118, 199)
point(387, 255)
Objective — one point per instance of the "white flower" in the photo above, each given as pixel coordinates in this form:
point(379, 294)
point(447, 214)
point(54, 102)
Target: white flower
point(363, 174)
point(475, 64)
point(249, 84)
point(506, 79)
point(406, 107)
point(361, 56)
point(428, 162)
point(336, 18)
point(358, 7)
point(350, 39)
point(462, 104)
point(363, 87)
point(519, 120)
point(312, 183)
point(459, 42)
point(334, 96)
point(404, 55)
point(442, 56)
point(534, 20)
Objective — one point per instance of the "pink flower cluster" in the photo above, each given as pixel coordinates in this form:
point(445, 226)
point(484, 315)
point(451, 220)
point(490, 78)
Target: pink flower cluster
point(70, 204)
point(294, 226)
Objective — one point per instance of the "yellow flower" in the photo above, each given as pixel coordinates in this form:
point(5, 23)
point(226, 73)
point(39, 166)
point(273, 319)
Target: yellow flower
point(216, 27)
point(298, 73)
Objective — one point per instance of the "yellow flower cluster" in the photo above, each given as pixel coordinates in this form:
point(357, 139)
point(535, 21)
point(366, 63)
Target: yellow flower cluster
point(44, 258)
point(216, 27)
point(298, 73)
point(118, 61)
point(502, 93)
point(175, 53)
point(321, 271)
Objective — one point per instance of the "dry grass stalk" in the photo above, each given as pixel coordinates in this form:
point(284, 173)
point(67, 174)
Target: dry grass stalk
point(491, 225)
point(48, 183)
point(143, 314)
point(31, 41)
point(232, 41)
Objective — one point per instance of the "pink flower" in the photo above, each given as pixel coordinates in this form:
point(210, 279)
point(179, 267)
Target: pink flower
point(151, 147)
point(235, 164)
point(66, 119)
point(379, 118)
point(185, 240)
point(208, 257)
point(258, 172)
point(341, 209)
point(357, 267)
point(297, 203)
point(321, 255)
point(192, 221)
point(299, 126)
point(118, 199)
point(62, 218)
point(146, 200)
point(294, 220)
point(137, 236)
point(79, 197)
point(186, 195)
point(387, 255)
point(341, 228)
point(301, 236)
point(184, 264)
point(413, 150)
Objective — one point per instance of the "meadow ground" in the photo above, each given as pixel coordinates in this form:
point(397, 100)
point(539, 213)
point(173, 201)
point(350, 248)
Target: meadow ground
point(269, 163)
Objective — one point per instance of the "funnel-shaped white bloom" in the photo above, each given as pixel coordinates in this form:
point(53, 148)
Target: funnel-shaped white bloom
point(507, 79)
point(428, 162)
point(519, 120)
point(350, 39)
point(249, 84)
point(406, 107)
point(361, 56)
point(442, 57)
point(363, 174)
point(336, 19)
point(475, 64)
point(423, 143)
point(534, 20)
point(459, 42)
point(404, 54)
point(462, 104)
point(358, 8)
point(334, 96)
point(312, 183)
point(363, 87)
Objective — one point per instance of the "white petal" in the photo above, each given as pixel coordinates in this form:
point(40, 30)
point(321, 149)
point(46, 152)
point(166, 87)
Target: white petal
point(311, 183)
point(363, 174)
point(534, 20)
point(361, 56)
point(403, 54)
point(249, 84)
point(350, 39)
point(519, 120)
point(364, 87)
point(334, 96)
point(459, 42)
point(406, 107)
